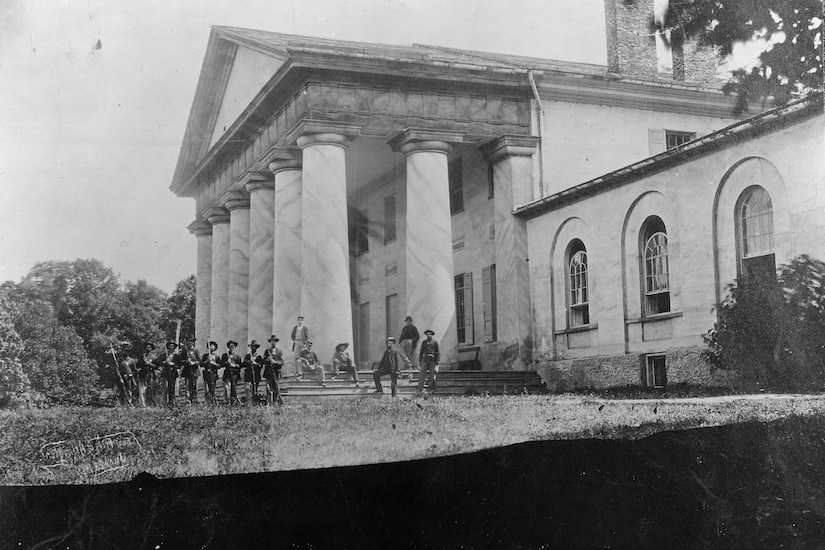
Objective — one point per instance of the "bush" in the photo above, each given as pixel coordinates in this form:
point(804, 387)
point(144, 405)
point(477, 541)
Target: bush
point(771, 331)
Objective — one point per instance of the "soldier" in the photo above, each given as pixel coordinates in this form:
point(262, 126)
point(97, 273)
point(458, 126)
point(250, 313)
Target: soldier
point(252, 365)
point(189, 358)
point(392, 362)
point(126, 370)
point(168, 364)
point(273, 361)
point(428, 361)
point(146, 376)
point(210, 363)
point(309, 359)
point(409, 338)
point(342, 362)
point(231, 362)
point(300, 337)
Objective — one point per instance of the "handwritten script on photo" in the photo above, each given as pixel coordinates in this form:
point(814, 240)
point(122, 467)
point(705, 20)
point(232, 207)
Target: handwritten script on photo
point(92, 457)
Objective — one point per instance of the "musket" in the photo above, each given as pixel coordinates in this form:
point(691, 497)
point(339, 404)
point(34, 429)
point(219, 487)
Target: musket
point(117, 370)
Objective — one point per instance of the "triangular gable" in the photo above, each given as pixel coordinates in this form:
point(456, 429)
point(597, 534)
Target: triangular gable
point(234, 70)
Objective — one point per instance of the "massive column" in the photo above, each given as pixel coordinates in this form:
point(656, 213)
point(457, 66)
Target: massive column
point(203, 231)
point(286, 304)
point(325, 288)
point(429, 252)
point(513, 185)
point(237, 202)
point(261, 254)
point(218, 311)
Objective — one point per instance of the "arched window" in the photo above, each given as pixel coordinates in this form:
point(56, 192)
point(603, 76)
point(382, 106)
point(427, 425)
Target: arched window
point(755, 228)
point(579, 295)
point(656, 267)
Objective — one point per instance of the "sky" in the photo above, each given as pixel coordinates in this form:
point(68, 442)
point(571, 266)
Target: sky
point(95, 96)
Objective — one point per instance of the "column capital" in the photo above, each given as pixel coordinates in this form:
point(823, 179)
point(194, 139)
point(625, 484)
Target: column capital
point(509, 146)
point(277, 155)
point(234, 199)
point(216, 214)
point(307, 127)
point(254, 180)
point(200, 228)
point(414, 140)
point(284, 158)
point(339, 140)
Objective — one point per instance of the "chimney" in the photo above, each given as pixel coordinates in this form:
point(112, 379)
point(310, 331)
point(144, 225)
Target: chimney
point(632, 48)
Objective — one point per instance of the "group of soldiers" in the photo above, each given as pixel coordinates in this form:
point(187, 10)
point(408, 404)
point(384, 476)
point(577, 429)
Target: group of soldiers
point(149, 380)
point(152, 380)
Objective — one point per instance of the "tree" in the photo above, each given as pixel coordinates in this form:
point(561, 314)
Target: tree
point(53, 356)
point(146, 309)
point(772, 333)
point(14, 383)
point(790, 67)
point(181, 305)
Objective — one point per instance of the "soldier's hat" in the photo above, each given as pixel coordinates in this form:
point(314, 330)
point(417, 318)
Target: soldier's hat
point(342, 345)
point(212, 343)
point(390, 339)
point(171, 345)
point(430, 332)
point(308, 343)
point(254, 344)
point(231, 342)
point(149, 345)
point(191, 339)
point(274, 338)
point(125, 345)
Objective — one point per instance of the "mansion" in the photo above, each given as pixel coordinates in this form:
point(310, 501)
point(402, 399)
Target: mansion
point(579, 220)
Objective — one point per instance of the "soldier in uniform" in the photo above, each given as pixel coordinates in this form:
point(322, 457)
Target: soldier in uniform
point(428, 361)
point(392, 362)
point(231, 362)
point(126, 370)
point(168, 364)
point(252, 365)
point(300, 337)
point(273, 361)
point(309, 360)
point(146, 376)
point(210, 363)
point(189, 358)
point(342, 362)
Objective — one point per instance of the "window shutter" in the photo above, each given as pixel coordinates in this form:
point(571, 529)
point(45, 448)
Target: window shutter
point(488, 286)
point(656, 141)
point(468, 308)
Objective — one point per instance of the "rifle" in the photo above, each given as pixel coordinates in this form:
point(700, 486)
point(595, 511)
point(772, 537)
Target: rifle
point(119, 377)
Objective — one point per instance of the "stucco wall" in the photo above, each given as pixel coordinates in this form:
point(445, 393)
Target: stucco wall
point(583, 141)
point(696, 200)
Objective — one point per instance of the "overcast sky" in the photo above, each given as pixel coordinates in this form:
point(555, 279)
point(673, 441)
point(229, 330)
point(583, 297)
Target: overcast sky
point(89, 137)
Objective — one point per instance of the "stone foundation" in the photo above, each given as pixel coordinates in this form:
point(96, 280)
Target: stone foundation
point(684, 367)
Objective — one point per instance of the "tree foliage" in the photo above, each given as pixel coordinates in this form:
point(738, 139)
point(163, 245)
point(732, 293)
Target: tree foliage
point(181, 305)
point(53, 355)
point(772, 333)
point(791, 66)
point(14, 383)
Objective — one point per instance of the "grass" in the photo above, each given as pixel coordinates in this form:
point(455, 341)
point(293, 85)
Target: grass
point(194, 441)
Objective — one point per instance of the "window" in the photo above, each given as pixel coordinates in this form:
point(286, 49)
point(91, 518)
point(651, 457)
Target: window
point(488, 286)
point(464, 307)
point(660, 140)
point(755, 227)
point(389, 219)
point(454, 172)
point(579, 296)
point(392, 315)
point(675, 139)
point(655, 371)
point(656, 267)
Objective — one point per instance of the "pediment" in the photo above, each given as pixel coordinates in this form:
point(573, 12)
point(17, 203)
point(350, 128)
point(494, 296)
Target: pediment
point(235, 69)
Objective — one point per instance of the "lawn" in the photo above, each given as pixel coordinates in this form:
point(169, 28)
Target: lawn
point(91, 445)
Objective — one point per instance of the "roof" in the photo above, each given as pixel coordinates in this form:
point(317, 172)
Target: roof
point(765, 122)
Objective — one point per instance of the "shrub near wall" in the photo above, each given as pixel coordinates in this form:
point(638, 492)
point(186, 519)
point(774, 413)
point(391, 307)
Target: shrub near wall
point(684, 366)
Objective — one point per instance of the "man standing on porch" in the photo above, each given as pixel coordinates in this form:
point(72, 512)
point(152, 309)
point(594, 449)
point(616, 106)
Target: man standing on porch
point(409, 339)
point(300, 336)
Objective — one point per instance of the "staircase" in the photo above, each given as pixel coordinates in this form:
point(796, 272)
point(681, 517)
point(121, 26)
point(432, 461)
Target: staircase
point(450, 382)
